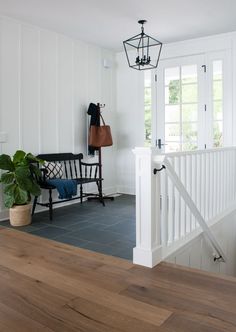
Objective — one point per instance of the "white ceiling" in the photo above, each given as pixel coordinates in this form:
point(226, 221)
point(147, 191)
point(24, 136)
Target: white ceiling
point(108, 22)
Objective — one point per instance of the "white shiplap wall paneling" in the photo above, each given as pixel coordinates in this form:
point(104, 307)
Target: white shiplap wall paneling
point(49, 91)
point(94, 74)
point(29, 90)
point(65, 94)
point(80, 96)
point(10, 84)
point(107, 79)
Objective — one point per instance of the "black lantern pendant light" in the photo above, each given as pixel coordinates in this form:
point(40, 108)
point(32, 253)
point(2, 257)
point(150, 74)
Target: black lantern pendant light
point(142, 51)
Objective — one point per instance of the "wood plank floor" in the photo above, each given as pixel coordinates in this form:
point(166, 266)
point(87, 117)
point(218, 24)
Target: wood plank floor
point(48, 286)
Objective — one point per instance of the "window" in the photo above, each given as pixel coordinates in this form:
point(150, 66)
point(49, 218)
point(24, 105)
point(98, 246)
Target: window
point(148, 106)
point(217, 93)
point(181, 108)
point(193, 102)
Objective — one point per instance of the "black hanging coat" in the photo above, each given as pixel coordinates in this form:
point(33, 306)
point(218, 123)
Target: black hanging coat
point(94, 112)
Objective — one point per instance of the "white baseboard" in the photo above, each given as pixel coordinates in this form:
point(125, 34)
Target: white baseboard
point(126, 190)
point(109, 190)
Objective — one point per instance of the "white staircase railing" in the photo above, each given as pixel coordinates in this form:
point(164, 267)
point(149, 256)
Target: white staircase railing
point(219, 254)
point(174, 206)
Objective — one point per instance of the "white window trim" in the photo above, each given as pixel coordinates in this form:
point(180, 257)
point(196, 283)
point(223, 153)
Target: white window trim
point(205, 119)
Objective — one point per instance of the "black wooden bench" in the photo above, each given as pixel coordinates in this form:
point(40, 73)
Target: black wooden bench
point(72, 168)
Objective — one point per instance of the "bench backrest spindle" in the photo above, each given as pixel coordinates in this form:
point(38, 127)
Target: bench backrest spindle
point(65, 168)
point(70, 168)
point(75, 169)
point(96, 172)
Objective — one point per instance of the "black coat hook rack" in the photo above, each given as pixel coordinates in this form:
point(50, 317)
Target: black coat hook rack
point(100, 106)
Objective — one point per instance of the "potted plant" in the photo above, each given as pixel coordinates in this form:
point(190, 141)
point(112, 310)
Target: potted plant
point(20, 182)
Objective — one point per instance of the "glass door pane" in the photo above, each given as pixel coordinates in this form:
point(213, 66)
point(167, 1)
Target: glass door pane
point(217, 96)
point(181, 108)
point(193, 102)
point(147, 107)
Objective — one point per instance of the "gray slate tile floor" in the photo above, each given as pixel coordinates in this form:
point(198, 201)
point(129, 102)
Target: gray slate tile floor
point(109, 230)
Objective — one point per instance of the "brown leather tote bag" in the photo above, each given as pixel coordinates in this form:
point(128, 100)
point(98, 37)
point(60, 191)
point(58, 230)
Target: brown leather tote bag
point(100, 136)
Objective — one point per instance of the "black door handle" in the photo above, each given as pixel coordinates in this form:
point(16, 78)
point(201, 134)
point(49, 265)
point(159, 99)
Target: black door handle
point(159, 144)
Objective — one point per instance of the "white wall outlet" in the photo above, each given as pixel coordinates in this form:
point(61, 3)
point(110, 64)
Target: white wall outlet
point(3, 137)
point(107, 63)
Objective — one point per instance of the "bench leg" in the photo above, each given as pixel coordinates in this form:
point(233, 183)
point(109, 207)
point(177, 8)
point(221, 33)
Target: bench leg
point(99, 185)
point(34, 205)
point(81, 194)
point(50, 204)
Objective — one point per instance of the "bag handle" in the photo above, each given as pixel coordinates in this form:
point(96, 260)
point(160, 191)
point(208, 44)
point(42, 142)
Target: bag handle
point(102, 119)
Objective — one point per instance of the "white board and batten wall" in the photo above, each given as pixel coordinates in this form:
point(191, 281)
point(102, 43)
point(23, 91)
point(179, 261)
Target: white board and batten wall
point(130, 121)
point(47, 81)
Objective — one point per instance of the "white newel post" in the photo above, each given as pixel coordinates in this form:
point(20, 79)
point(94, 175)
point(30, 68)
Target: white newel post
point(148, 244)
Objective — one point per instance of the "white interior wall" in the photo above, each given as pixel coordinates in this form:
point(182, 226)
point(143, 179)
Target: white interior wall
point(130, 122)
point(47, 81)
point(198, 254)
point(130, 89)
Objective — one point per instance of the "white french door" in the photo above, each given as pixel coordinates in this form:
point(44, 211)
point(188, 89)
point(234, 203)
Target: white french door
point(191, 102)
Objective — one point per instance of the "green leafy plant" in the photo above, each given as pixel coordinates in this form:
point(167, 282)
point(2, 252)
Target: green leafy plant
point(19, 178)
